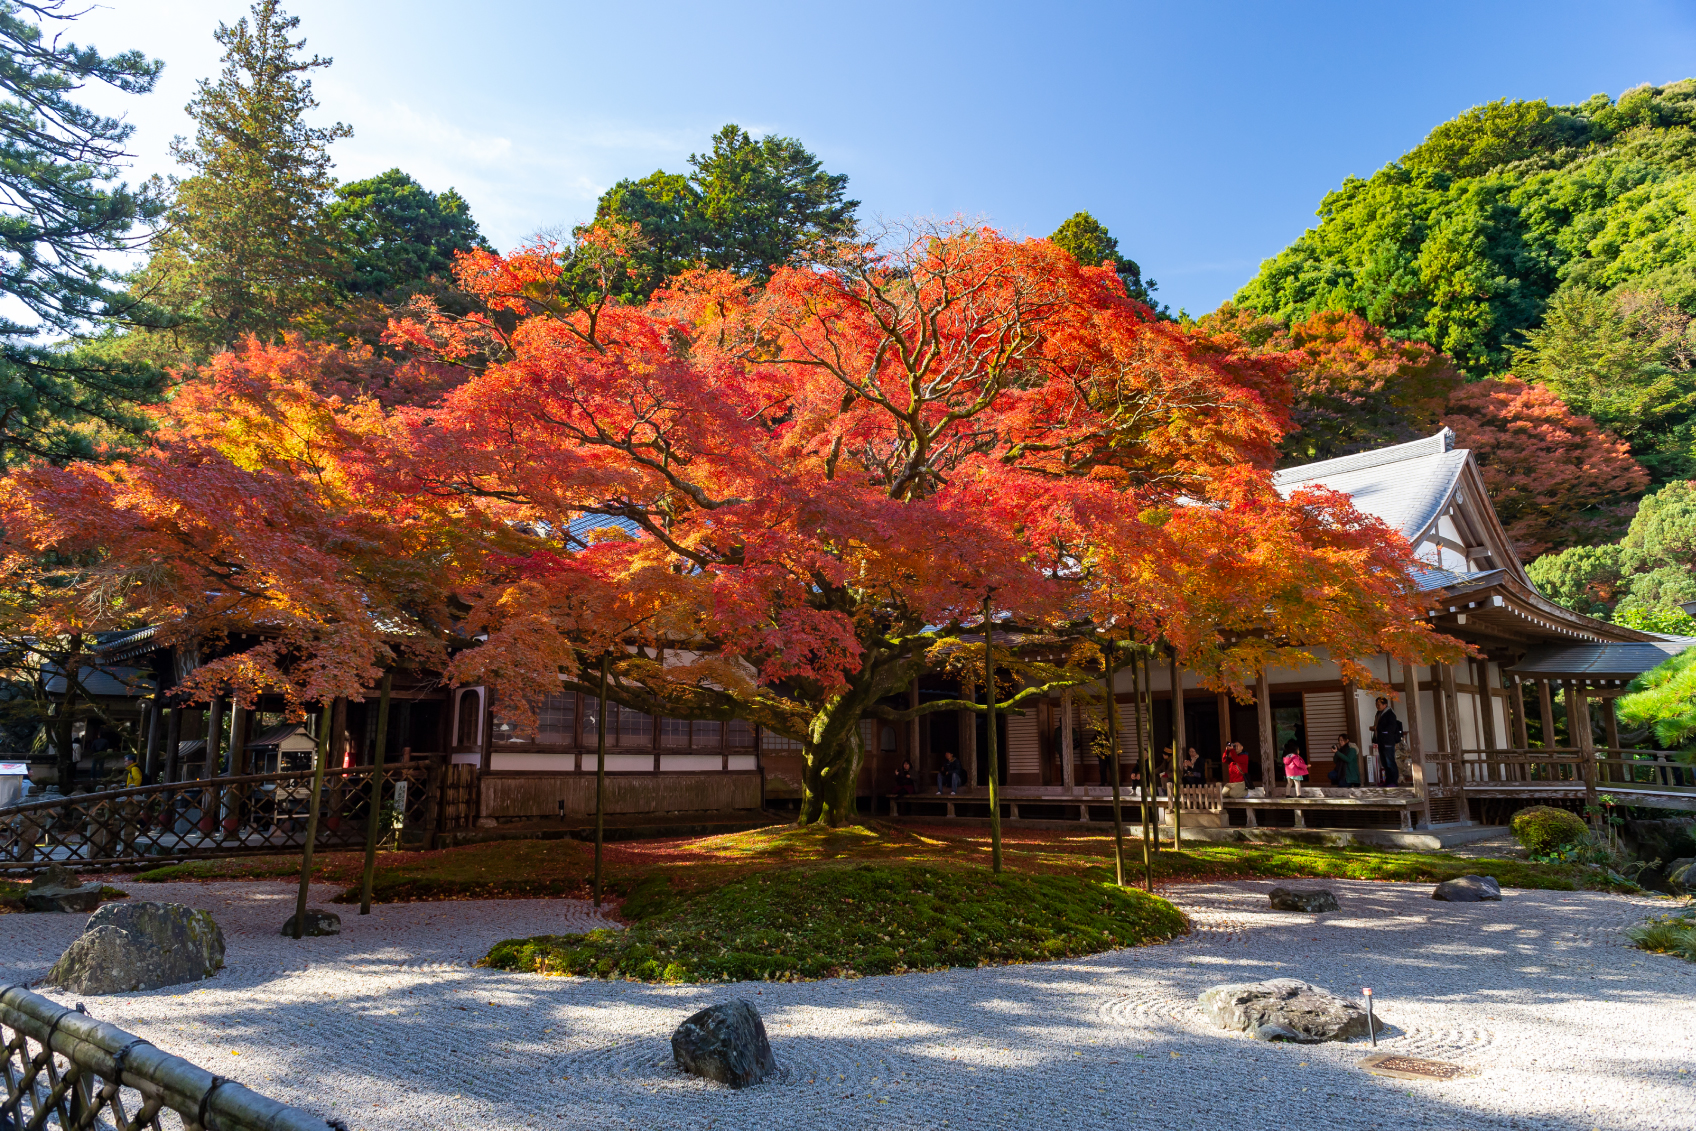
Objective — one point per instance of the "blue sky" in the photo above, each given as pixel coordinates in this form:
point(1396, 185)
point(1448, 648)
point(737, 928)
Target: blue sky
point(1202, 134)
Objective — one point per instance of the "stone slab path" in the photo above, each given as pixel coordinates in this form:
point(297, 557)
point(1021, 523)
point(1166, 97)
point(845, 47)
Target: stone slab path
point(1558, 1024)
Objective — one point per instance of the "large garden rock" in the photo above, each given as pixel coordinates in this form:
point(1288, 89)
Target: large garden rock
point(726, 1043)
point(1312, 900)
point(57, 889)
point(1681, 876)
point(1671, 838)
point(318, 922)
point(140, 946)
point(1284, 1009)
point(1468, 889)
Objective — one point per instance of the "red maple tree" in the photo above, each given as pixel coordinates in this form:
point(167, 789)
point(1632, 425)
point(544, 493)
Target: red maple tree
point(818, 482)
point(1557, 478)
point(828, 475)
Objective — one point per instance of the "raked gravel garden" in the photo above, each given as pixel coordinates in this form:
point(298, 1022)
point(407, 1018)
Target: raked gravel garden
point(1557, 1022)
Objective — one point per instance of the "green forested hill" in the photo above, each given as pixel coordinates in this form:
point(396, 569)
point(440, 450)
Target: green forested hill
point(1463, 241)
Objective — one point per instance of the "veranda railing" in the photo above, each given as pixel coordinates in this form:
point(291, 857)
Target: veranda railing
point(1659, 771)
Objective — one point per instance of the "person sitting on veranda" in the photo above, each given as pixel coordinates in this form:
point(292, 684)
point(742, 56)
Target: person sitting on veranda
point(904, 779)
point(1192, 767)
point(1236, 770)
point(1345, 758)
point(952, 775)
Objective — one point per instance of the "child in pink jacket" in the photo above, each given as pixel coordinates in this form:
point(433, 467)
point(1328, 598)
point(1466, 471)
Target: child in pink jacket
point(1295, 767)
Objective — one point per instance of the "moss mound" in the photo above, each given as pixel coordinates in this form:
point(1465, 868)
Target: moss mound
point(846, 922)
point(1543, 829)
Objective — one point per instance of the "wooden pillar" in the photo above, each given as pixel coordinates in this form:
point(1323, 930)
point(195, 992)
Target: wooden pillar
point(1610, 726)
point(1451, 709)
point(969, 735)
point(1068, 761)
point(155, 738)
point(214, 737)
point(1224, 719)
point(1571, 700)
point(1440, 708)
point(173, 742)
point(1486, 706)
point(1268, 737)
point(1415, 735)
point(1579, 704)
point(1351, 725)
point(1546, 713)
point(914, 729)
point(1180, 747)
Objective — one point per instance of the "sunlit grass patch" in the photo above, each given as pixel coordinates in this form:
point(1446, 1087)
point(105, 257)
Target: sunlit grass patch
point(851, 921)
point(1668, 934)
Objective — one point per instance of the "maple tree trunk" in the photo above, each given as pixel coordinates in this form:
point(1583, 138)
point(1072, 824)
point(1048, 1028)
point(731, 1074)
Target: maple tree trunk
point(830, 768)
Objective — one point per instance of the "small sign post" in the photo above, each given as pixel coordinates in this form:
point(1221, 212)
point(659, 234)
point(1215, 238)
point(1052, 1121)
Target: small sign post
point(1371, 1026)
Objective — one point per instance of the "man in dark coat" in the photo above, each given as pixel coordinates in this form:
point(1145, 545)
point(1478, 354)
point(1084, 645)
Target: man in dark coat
point(1386, 736)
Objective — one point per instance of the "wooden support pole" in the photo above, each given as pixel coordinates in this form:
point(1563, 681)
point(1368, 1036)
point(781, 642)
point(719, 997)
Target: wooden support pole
point(1439, 709)
point(1113, 754)
point(1180, 746)
point(1486, 705)
point(155, 738)
point(312, 810)
point(969, 734)
point(376, 801)
point(1069, 770)
point(1139, 685)
point(173, 741)
point(1570, 699)
point(600, 776)
point(1415, 737)
point(209, 816)
point(1268, 736)
point(1610, 726)
point(231, 807)
point(214, 737)
point(1451, 709)
point(1224, 720)
point(989, 736)
point(913, 732)
point(1579, 704)
point(1546, 713)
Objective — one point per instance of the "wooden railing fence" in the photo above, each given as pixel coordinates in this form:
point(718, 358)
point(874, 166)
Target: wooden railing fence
point(66, 1070)
point(231, 816)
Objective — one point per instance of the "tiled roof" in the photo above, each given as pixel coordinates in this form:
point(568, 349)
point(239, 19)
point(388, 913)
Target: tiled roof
point(103, 683)
point(1601, 661)
point(1405, 485)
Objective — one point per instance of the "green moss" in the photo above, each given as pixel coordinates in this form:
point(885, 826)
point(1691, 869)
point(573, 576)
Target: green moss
point(844, 922)
point(648, 898)
point(1543, 829)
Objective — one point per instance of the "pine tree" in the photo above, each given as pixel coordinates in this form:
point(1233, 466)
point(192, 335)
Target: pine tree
point(1087, 240)
point(61, 208)
point(252, 248)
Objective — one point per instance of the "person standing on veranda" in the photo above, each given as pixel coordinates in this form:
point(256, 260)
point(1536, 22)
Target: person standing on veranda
point(1386, 737)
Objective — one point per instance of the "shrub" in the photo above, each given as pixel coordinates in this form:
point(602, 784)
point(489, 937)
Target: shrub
point(1668, 934)
point(1543, 829)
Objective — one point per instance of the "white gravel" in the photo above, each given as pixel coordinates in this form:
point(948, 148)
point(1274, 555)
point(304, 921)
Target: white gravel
point(1557, 1022)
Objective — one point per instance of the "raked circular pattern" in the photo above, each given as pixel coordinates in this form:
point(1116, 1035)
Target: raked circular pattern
point(1558, 1024)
